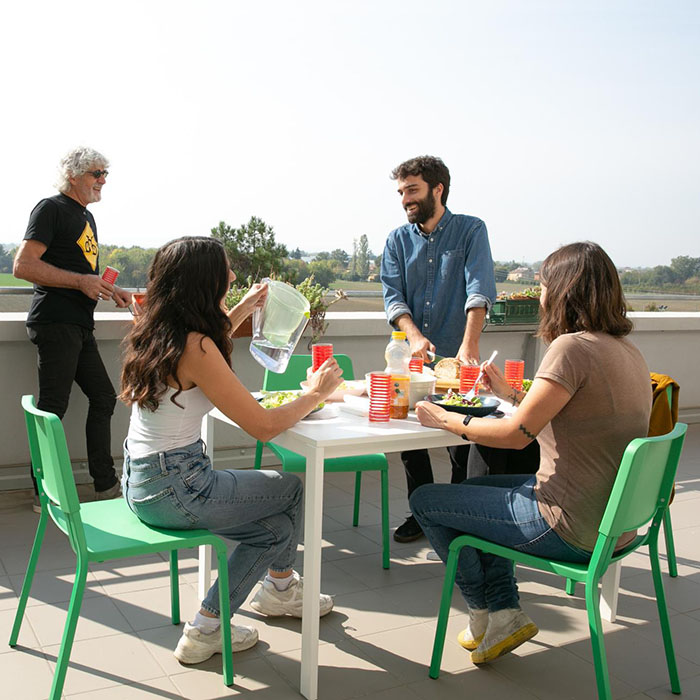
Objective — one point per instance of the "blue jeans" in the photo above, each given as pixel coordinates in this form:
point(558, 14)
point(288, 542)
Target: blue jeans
point(259, 509)
point(501, 508)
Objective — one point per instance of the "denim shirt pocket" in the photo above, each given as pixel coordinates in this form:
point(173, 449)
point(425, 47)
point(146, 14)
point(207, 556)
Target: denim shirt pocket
point(450, 263)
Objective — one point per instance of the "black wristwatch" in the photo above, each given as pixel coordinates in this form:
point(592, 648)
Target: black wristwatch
point(466, 422)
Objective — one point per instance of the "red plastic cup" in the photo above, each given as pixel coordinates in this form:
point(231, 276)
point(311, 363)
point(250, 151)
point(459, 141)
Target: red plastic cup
point(319, 354)
point(467, 377)
point(514, 373)
point(379, 397)
point(110, 275)
point(415, 364)
point(138, 299)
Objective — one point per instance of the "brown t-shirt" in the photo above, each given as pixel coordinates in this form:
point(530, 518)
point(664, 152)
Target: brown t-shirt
point(581, 448)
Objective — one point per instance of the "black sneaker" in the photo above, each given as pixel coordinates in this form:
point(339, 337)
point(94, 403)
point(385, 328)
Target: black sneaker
point(409, 531)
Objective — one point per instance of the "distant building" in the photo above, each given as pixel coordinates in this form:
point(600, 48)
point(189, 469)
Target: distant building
point(521, 273)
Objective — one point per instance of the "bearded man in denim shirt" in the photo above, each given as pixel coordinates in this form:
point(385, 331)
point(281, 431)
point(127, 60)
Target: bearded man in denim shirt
point(438, 281)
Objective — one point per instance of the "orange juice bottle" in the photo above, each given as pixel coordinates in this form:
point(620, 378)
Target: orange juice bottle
point(397, 356)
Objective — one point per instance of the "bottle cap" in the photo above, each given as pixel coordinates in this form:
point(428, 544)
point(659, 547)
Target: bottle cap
point(398, 335)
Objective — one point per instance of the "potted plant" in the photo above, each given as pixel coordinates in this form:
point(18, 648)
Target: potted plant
point(316, 295)
point(518, 307)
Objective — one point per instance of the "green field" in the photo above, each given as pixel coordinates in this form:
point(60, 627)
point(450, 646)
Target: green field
point(7, 280)
point(346, 285)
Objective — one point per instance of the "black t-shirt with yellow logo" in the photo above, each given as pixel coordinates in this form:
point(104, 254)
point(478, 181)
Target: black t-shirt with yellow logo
point(68, 230)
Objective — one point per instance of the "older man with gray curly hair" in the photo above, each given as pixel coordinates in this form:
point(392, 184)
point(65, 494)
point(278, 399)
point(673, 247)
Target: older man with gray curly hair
point(60, 256)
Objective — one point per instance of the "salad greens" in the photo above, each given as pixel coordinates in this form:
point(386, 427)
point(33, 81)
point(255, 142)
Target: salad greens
point(278, 398)
point(453, 398)
point(527, 383)
point(274, 399)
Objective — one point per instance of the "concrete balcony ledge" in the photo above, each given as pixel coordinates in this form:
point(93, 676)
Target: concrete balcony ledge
point(668, 341)
point(351, 323)
point(645, 321)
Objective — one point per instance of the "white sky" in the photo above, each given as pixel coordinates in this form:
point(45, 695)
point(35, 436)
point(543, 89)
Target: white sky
point(560, 120)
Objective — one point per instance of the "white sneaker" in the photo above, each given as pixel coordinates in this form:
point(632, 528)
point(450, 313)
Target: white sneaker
point(112, 492)
point(507, 630)
point(269, 601)
point(195, 646)
point(470, 637)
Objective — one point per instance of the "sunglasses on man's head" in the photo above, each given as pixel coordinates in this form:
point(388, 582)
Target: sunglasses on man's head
point(97, 174)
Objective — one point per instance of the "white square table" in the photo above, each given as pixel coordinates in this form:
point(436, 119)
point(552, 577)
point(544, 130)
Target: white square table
point(346, 435)
point(317, 439)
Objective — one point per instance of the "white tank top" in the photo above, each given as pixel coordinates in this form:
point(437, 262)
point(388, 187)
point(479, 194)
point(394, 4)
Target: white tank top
point(169, 426)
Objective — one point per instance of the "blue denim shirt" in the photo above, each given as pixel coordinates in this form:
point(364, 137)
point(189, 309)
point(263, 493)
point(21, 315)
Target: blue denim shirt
point(437, 278)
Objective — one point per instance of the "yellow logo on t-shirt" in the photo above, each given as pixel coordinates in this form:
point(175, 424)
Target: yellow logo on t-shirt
point(88, 244)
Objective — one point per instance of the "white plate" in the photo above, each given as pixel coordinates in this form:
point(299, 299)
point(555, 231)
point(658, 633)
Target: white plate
point(356, 404)
point(328, 411)
point(354, 387)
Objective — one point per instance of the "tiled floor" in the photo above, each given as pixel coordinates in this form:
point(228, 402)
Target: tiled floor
point(375, 644)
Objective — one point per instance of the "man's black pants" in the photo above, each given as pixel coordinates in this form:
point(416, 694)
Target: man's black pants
point(68, 353)
point(419, 472)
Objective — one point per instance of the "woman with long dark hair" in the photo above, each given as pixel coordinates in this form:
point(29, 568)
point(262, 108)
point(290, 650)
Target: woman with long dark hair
point(591, 395)
point(176, 369)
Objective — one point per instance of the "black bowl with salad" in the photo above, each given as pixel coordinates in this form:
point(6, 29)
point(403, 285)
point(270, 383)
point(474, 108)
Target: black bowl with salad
point(454, 401)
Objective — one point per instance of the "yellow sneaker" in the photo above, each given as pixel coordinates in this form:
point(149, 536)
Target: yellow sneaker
point(507, 630)
point(471, 636)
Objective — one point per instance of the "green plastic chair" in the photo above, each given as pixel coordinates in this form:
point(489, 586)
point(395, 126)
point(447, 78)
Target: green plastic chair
point(100, 531)
point(292, 462)
point(668, 527)
point(570, 586)
point(639, 497)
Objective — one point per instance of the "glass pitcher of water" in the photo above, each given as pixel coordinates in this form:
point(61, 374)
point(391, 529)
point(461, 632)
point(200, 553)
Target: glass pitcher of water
point(278, 325)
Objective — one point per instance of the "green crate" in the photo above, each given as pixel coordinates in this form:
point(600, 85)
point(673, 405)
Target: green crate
point(508, 311)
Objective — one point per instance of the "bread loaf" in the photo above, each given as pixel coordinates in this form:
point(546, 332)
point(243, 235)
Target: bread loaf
point(447, 368)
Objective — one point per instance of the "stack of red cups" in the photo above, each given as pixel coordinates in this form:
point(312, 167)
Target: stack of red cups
point(110, 275)
point(467, 377)
point(320, 352)
point(514, 373)
point(379, 397)
point(415, 364)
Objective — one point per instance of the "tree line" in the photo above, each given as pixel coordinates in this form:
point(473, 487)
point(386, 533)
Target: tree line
point(254, 253)
point(682, 276)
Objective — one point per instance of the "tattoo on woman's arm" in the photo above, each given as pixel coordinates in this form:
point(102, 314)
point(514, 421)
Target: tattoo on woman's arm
point(526, 431)
point(513, 398)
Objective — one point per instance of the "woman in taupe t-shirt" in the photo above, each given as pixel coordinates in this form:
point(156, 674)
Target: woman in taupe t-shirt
point(591, 396)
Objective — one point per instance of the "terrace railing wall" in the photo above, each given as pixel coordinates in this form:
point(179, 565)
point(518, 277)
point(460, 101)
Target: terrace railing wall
point(669, 342)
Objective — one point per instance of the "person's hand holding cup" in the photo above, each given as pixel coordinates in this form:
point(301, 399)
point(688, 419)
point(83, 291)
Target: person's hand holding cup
point(494, 381)
point(326, 379)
